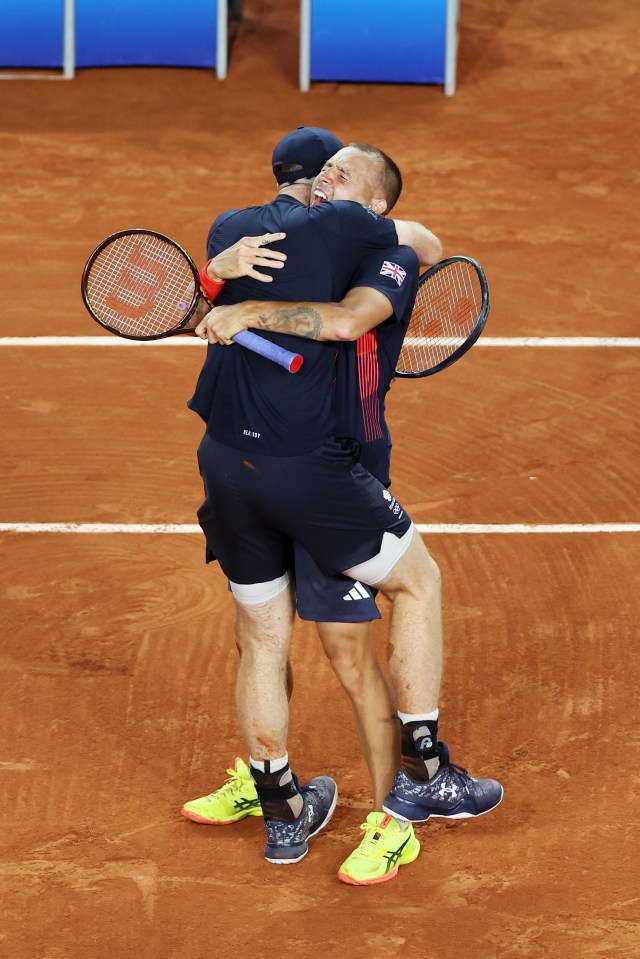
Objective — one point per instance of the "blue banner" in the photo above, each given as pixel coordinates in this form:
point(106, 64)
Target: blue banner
point(31, 33)
point(179, 33)
point(368, 40)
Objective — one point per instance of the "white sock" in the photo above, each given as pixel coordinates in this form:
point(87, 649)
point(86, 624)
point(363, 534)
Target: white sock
point(275, 765)
point(418, 717)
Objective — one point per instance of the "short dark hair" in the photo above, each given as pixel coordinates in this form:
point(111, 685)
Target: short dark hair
point(391, 177)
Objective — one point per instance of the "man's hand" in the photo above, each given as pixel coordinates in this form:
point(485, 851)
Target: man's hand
point(199, 314)
point(223, 322)
point(241, 258)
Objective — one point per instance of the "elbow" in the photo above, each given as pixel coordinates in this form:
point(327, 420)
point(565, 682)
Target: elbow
point(433, 254)
point(344, 332)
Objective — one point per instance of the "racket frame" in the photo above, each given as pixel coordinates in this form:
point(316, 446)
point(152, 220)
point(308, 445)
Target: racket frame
point(147, 337)
point(478, 327)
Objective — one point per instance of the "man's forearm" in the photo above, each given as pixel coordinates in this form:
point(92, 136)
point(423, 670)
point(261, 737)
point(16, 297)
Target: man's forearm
point(361, 310)
point(297, 319)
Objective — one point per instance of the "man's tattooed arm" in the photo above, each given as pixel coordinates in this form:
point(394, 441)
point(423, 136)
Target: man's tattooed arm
point(361, 309)
point(298, 321)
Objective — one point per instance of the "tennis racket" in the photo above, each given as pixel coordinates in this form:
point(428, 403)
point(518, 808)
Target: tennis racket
point(449, 314)
point(142, 285)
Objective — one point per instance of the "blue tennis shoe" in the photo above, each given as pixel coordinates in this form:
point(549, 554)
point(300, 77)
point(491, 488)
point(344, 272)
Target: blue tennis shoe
point(287, 841)
point(450, 794)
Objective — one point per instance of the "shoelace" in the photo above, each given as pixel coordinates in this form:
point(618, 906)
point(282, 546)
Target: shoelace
point(371, 836)
point(230, 785)
point(451, 770)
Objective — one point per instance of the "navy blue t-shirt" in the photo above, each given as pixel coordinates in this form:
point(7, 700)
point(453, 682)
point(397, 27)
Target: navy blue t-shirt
point(246, 400)
point(366, 367)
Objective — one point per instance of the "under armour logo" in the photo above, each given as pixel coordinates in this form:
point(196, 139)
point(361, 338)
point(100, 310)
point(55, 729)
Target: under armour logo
point(357, 592)
point(448, 791)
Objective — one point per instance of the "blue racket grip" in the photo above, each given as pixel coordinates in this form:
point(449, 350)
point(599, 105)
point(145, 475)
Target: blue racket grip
point(251, 341)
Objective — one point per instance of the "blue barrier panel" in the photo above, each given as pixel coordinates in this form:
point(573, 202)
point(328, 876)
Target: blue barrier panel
point(380, 42)
point(180, 33)
point(31, 33)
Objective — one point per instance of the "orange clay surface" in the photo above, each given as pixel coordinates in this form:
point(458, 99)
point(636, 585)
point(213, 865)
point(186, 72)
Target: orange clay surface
point(117, 656)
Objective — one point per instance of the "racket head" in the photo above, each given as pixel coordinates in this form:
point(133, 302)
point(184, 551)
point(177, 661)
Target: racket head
point(449, 314)
point(140, 284)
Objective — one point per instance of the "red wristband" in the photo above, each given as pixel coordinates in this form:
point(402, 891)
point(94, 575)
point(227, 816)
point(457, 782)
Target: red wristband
point(209, 286)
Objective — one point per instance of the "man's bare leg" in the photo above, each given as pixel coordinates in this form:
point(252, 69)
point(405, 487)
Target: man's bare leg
point(263, 637)
point(292, 814)
point(426, 784)
point(351, 651)
point(387, 843)
point(415, 639)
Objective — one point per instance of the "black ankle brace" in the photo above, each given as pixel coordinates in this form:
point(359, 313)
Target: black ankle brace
point(419, 743)
point(274, 794)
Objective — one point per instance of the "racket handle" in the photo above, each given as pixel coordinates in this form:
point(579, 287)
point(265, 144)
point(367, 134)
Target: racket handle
point(251, 341)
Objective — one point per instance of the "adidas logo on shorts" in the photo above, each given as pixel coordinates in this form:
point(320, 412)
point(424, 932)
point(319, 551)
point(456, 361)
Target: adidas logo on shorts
point(357, 592)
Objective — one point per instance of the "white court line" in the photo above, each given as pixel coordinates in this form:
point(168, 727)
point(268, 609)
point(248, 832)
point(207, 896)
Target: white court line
point(97, 341)
point(568, 341)
point(484, 341)
point(428, 528)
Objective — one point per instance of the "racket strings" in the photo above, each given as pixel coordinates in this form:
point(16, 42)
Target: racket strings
point(141, 285)
point(446, 310)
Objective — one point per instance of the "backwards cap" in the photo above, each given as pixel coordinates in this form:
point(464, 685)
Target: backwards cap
point(306, 149)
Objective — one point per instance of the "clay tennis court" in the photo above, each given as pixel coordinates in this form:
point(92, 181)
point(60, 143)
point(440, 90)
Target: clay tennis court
point(118, 662)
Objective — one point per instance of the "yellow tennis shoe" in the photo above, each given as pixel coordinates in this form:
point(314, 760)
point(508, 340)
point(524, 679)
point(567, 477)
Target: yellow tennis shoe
point(235, 800)
point(383, 849)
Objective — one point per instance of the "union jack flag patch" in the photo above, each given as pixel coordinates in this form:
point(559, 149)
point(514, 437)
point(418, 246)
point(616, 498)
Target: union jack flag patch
point(394, 271)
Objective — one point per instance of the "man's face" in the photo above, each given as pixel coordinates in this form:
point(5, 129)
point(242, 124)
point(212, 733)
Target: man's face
point(350, 175)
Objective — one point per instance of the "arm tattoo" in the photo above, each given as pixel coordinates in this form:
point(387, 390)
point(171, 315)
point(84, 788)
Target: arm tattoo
point(300, 321)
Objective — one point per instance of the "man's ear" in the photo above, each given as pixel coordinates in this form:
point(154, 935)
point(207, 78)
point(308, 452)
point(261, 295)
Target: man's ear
point(378, 206)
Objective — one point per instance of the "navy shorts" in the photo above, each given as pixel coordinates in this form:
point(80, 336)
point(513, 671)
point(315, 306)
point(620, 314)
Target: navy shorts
point(256, 506)
point(331, 599)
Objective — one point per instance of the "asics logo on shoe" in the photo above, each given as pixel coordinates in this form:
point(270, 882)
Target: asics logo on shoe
point(357, 592)
point(394, 854)
point(245, 804)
